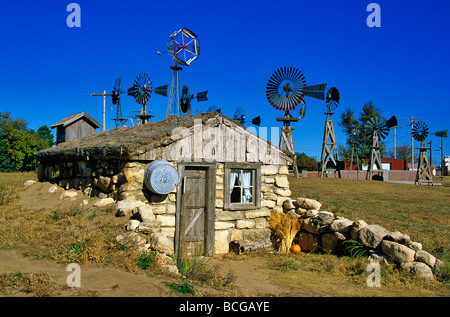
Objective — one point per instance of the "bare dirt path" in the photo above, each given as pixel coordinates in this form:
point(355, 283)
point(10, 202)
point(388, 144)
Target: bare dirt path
point(252, 275)
point(95, 280)
point(252, 278)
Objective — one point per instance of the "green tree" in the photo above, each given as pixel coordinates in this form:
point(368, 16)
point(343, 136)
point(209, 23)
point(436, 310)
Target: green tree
point(18, 143)
point(45, 133)
point(306, 162)
point(6, 164)
point(353, 128)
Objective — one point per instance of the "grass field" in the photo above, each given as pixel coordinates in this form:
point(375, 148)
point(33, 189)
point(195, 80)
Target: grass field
point(87, 235)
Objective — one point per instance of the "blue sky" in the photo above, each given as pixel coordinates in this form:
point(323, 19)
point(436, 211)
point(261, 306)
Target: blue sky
point(48, 70)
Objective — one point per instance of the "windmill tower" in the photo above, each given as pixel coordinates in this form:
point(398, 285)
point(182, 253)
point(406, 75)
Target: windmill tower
point(378, 127)
point(184, 47)
point(329, 153)
point(117, 90)
point(285, 91)
point(419, 133)
point(354, 140)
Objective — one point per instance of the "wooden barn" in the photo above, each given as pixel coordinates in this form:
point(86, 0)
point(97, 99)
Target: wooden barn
point(229, 180)
point(74, 127)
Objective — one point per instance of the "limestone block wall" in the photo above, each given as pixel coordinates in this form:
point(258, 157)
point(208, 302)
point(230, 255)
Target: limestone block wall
point(250, 224)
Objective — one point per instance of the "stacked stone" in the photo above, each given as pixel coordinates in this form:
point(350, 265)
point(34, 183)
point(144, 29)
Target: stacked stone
point(250, 225)
point(149, 229)
point(323, 231)
point(94, 178)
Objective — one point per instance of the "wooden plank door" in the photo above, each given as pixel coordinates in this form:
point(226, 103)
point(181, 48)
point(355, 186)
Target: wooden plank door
point(193, 213)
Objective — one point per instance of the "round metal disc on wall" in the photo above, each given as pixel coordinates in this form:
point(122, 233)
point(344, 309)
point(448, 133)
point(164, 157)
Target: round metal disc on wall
point(160, 177)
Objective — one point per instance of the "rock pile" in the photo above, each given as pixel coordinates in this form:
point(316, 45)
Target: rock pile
point(146, 231)
point(323, 231)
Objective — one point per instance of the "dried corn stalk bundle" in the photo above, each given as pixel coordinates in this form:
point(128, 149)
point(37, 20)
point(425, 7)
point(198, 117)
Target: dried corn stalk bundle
point(284, 228)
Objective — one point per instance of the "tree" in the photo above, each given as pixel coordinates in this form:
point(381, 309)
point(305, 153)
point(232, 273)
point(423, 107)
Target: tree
point(403, 153)
point(6, 164)
point(353, 127)
point(18, 144)
point(45, 133)
point(306, 162)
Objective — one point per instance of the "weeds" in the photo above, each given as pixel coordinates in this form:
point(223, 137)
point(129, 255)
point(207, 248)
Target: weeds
point(184, 288)
point(146, 260)
point(72, 212)
point(354, 249)
point(197, 270)
point(75, 252)
point(35, 284)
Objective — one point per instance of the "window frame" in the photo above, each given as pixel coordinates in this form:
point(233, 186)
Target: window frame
point(256, 193)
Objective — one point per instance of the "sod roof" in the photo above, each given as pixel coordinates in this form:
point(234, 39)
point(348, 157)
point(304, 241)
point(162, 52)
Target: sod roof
point(121, 143)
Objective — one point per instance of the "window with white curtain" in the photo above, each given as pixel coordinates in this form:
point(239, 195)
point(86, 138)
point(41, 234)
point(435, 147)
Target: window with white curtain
point(242, 186)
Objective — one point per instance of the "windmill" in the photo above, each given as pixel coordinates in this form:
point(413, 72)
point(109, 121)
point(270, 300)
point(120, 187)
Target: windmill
point(329, 153)
point(354, 137)
point(378, 127)
point(239, 116)
point(442, 134)
point(420, 133)
point(186, 98)
point(184, 47)
point(285, 91)
point(117, 90)
point(141, 91)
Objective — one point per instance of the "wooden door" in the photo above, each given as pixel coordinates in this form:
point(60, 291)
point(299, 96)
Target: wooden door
point(193, 224)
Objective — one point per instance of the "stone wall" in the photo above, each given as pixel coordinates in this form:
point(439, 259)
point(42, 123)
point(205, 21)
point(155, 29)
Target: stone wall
point(94, 178)
point(322, 231)
point(123, 182)
point(229, 225)
point(250, 224)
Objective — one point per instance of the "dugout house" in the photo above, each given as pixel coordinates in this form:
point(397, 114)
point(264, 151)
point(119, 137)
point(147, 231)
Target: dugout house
point(229, 179)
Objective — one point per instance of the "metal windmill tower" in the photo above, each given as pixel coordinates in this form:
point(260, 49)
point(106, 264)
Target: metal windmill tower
point(420, 133)
point(285, 91)
point(117, 90)
point(329, 153)
point(184, 47)
point(378, 127)
point(354, 140)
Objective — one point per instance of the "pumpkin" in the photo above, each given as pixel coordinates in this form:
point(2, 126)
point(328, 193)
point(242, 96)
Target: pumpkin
point(295, 248)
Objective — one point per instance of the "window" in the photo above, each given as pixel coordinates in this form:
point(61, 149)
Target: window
point(241, 186)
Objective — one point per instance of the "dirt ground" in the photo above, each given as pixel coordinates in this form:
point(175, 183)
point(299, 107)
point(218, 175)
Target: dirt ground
point(252, 275)
point(109, 282)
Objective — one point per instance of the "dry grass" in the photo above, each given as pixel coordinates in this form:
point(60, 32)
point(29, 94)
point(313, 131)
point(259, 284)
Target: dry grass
point(35, 284)
point(76, 234)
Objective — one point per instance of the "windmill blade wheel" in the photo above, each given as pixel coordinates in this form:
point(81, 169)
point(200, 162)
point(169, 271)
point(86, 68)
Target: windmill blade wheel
point(420, 131)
